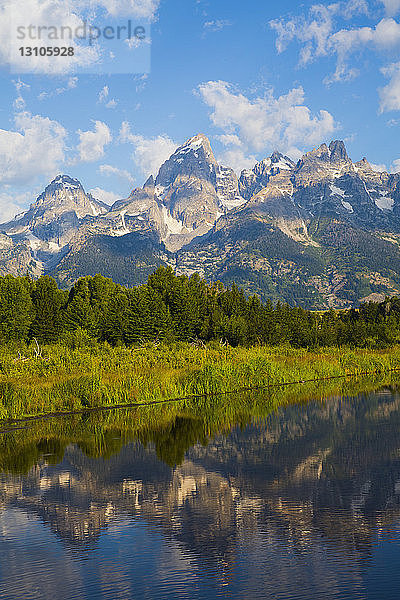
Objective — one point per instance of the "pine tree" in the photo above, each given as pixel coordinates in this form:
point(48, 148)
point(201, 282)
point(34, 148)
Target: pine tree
point(16, 308)
point(79, 312)
point(48, 302)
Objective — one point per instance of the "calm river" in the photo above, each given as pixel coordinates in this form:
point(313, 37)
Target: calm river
point(301, 504)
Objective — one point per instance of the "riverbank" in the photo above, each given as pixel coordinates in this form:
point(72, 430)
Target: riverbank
point(61, 379)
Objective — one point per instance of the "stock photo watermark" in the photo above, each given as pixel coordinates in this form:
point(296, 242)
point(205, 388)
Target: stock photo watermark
point(86, 31)
point(79, 46)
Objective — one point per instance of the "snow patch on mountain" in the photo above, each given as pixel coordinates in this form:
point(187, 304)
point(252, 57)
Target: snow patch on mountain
point(336, 191)
point(347, 206)
point(384, 202)
point(173, 225)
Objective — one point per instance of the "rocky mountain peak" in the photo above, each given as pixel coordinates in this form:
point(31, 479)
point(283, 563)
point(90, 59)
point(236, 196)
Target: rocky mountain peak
point(193, 159)
point(334, 153)
point(150, 183)
point(364, 165)
point(200, 141)
point(338, 151)
point(251, 182)
point(66, 194)
point(65, 182)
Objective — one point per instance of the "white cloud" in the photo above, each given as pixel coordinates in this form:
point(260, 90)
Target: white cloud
point(319, 36)
point(392, 7)
point(381, 168)
point(103, 98)
point(11, 204)
point(56, 14)
point(48, 13)
point(315, 31)
point(19, 103)
point(72, 83)
point(395, 168)
point(35, 147)
point(135, 9)
point(140, 82)
point(390, 94)
point(92, 143)
point(217, 24)
point(265, 124)
point(103, 94)
point(104, 196)
point(110, 170)
point(148, 153)
point(237, 159)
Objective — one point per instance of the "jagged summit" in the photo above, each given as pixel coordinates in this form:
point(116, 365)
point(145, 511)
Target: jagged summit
point(257, 229)
point(66, 194)
point(149, 183)
point(65, 181)
point(196, 142)
point(54, 219)
point(365, 165)
point(193, 159)
point(338, 151)
point(252, 182)
point(334, 153)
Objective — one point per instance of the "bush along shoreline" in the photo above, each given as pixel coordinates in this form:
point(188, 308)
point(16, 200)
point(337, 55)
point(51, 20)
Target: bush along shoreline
point(39, 380)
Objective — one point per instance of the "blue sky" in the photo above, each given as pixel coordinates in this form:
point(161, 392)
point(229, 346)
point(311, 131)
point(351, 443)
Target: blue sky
point(254, 76)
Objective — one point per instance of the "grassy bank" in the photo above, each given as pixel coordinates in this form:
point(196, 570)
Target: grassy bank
point(65, 379)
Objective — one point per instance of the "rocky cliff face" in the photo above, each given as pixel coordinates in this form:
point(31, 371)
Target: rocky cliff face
point(188, 195)
point(324, 231)
point(54, 219)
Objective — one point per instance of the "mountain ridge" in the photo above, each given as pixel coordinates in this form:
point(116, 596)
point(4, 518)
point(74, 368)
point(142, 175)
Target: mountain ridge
point(281, 229)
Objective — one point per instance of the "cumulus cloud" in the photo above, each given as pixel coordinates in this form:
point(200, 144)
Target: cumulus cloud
point(52, 15)
point(395, 168)
point(148, 153)
point(35, 147)
point(390, 93)
point(238, 159)
point(11, 204)
point(49, 13)
point(135, 9)
point(104, 196)
point(381, 168)
point(319, 35)
point(264, 124)
point(315, 30)
point(92, 143)
point(110, 170)
point(392, 7)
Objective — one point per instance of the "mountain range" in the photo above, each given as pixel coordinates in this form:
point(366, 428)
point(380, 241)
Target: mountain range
point(322, 232)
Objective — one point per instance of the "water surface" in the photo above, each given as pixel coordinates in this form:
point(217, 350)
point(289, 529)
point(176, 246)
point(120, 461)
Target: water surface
point(302, 503)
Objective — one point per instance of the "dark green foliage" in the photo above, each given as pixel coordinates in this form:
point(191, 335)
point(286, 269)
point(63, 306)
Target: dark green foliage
point(16, 309)
point(48, 302)
point(147, 316)
point(79, 312)
point(128, 260)
point(171, 307)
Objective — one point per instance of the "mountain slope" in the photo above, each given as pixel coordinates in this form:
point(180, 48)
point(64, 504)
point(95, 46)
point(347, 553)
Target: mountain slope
point(322, 232)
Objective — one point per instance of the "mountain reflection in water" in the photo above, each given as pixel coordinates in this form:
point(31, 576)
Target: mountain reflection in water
point(304, 503)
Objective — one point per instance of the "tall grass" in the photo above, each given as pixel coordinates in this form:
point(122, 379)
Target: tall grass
point(65, 379)
point(171, 428)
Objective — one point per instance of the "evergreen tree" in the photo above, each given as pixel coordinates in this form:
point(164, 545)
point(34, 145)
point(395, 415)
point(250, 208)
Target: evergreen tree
point(16, 308)
point(48, 302)
point(79, 312)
